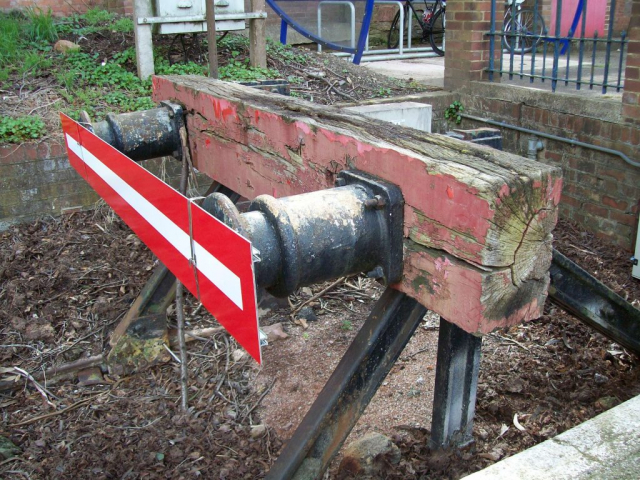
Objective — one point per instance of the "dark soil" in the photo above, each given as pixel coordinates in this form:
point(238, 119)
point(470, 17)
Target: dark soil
point(65, 282)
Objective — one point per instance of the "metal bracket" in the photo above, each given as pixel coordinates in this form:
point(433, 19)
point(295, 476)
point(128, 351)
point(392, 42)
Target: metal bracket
point(387, 198)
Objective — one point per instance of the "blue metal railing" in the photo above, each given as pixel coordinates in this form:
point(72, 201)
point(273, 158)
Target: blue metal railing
point(523, 38)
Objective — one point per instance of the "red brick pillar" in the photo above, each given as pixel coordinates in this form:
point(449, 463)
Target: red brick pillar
point(467, 45)
point(128, 7)
point(631, 96)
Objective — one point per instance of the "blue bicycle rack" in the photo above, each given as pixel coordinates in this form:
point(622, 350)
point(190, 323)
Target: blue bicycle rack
point(355, 51)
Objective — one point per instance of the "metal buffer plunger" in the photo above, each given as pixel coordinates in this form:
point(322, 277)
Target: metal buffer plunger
point(317, 236)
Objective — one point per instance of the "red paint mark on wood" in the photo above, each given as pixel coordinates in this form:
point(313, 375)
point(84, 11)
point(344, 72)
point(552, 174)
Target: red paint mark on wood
point(224, 109)
point(554, 190)
point(303, 127)
point(449, 192)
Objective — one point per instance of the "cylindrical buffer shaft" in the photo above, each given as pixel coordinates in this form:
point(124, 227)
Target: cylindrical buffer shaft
point(312, 237)
point(142, 135)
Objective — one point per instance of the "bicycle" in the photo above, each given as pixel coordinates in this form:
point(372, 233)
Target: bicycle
point(524, 33)
point(428, 23)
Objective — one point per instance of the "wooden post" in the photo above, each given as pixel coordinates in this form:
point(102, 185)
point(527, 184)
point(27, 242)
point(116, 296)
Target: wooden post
point(257, 40)
point(143, 39)
point(211, 38)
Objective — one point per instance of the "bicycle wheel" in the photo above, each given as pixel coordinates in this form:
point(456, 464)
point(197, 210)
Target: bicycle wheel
point(436, 32)
point(520, 36)
point(393, 38)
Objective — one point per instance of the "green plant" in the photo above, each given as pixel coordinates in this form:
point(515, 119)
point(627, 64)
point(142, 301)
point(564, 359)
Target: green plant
point(97, 16)
point(9, 39)
point(384, 92)
point(239, 71)
point(90, 72)
point(129, 102)
point(452, 112)
point(20, 129)
point(235, 42)
point(40, 26)
point(34, 62)
point(286, 53)
point(66, 78)
point(123, 25)
point(346, 325)
point(190, 68)
point(295, 79)
point(126, 56)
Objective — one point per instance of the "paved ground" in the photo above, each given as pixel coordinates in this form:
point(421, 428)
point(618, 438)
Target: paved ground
point(430, 71)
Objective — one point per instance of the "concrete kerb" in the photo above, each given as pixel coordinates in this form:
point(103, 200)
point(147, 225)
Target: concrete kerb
point(606, 447)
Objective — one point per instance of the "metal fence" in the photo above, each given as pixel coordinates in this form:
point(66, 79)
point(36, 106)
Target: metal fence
point(529, 50)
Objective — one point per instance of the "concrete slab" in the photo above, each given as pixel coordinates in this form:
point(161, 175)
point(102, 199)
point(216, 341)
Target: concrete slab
point(428, 71)
point(408, 114)
point(606, 447)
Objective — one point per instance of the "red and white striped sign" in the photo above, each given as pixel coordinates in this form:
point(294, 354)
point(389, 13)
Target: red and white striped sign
point(213, 261)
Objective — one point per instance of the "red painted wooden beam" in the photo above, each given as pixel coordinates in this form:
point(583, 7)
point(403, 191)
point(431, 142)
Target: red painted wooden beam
point(477, 221)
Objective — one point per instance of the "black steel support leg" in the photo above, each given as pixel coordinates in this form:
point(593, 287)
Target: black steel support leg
point(348, 391)
point(454, 401)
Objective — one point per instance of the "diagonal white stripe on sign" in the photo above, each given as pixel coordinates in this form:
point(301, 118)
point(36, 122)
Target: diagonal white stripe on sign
point(223, 278)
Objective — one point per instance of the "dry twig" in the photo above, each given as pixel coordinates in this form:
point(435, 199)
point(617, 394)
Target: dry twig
point(317, 295)
point(510, 340)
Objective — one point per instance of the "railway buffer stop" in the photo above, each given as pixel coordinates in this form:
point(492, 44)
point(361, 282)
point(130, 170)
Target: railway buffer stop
point(459, 229)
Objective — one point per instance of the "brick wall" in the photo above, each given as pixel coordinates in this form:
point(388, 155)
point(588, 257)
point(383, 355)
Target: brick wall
point(602, 192)
point(631, 95)
point(467, 23)
point(37, 180)
point(63, 8)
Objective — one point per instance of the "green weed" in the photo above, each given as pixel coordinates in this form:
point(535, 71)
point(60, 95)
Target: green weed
point(452, 112)
point(233, 42)
point(34, 63)
point(40, 26)
point(294, 79)
point(66, 79)
point(124, 25)
point(190, 68)
point(4, 75)
point(238, 71)
point(9, 39)
point(20, 129)
point(90, 72)
point(286, 53)
point(346, 325)
point(97, 16)
point(125, 57)
point(128, 102)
